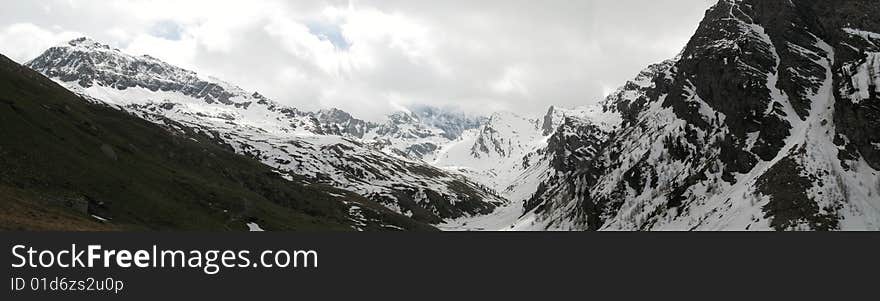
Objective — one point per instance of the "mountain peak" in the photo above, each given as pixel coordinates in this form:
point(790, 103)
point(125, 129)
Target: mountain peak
point(88, 43)
point(548, 126)
point(82, 40)
point(91, 63)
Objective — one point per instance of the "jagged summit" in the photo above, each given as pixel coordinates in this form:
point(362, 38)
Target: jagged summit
point(99, 67)
point(92, 63)
point(87, 42)
point(605, 118)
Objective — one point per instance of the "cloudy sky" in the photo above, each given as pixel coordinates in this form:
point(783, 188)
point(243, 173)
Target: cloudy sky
point(372, 57)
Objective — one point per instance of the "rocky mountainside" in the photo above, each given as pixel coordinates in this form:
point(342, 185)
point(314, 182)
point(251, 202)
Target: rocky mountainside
point(67, 164)
point(340, 123)
point(329, 147)
point(767, 120)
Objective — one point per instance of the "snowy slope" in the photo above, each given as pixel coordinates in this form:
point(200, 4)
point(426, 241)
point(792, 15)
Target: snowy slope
point(285, 138)
point(495, 153)
point(521, 158)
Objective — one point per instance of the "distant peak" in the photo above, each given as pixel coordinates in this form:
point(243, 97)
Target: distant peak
point(334, 112)
point(86, 42)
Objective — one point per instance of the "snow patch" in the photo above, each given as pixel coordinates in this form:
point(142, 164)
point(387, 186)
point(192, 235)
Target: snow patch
point(254, 227)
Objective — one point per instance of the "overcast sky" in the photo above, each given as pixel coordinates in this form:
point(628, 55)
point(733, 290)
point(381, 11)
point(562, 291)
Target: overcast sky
point(372, 57)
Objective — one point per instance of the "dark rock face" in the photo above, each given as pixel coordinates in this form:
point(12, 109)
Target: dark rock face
point(732, 70)
point(789, 203)
point(631, 99)
point(572, 151)
point(785, 53)
point(857, 106)
point(858, 123)
point(547, 125)
point(574, 144)
point(80, 63)
point(341, 123)
point(744, 115)
point(422, 149)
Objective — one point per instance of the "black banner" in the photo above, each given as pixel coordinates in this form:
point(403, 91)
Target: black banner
point(454, 266)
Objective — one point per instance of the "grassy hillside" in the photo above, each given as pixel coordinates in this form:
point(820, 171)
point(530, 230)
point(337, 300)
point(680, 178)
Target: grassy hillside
point(66, 164)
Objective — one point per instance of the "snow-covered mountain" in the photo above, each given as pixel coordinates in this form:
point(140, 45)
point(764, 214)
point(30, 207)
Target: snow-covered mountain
point(421, 131)
point(340, 123)
point(495, 153)
point(327, 146)
point(521, 157)
point(452, 121)
point(768, 120)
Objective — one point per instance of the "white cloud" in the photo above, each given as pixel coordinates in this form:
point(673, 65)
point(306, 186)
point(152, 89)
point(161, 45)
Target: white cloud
point(21, 41)
point(511, 82)
point(178, 52)
point(374, 56)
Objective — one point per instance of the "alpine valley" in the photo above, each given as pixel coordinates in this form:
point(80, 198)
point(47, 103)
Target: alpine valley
point(768, 119)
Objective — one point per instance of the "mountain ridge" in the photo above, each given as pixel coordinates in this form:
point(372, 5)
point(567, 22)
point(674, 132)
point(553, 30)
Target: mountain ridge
point(326, 146)
point(767, 120)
